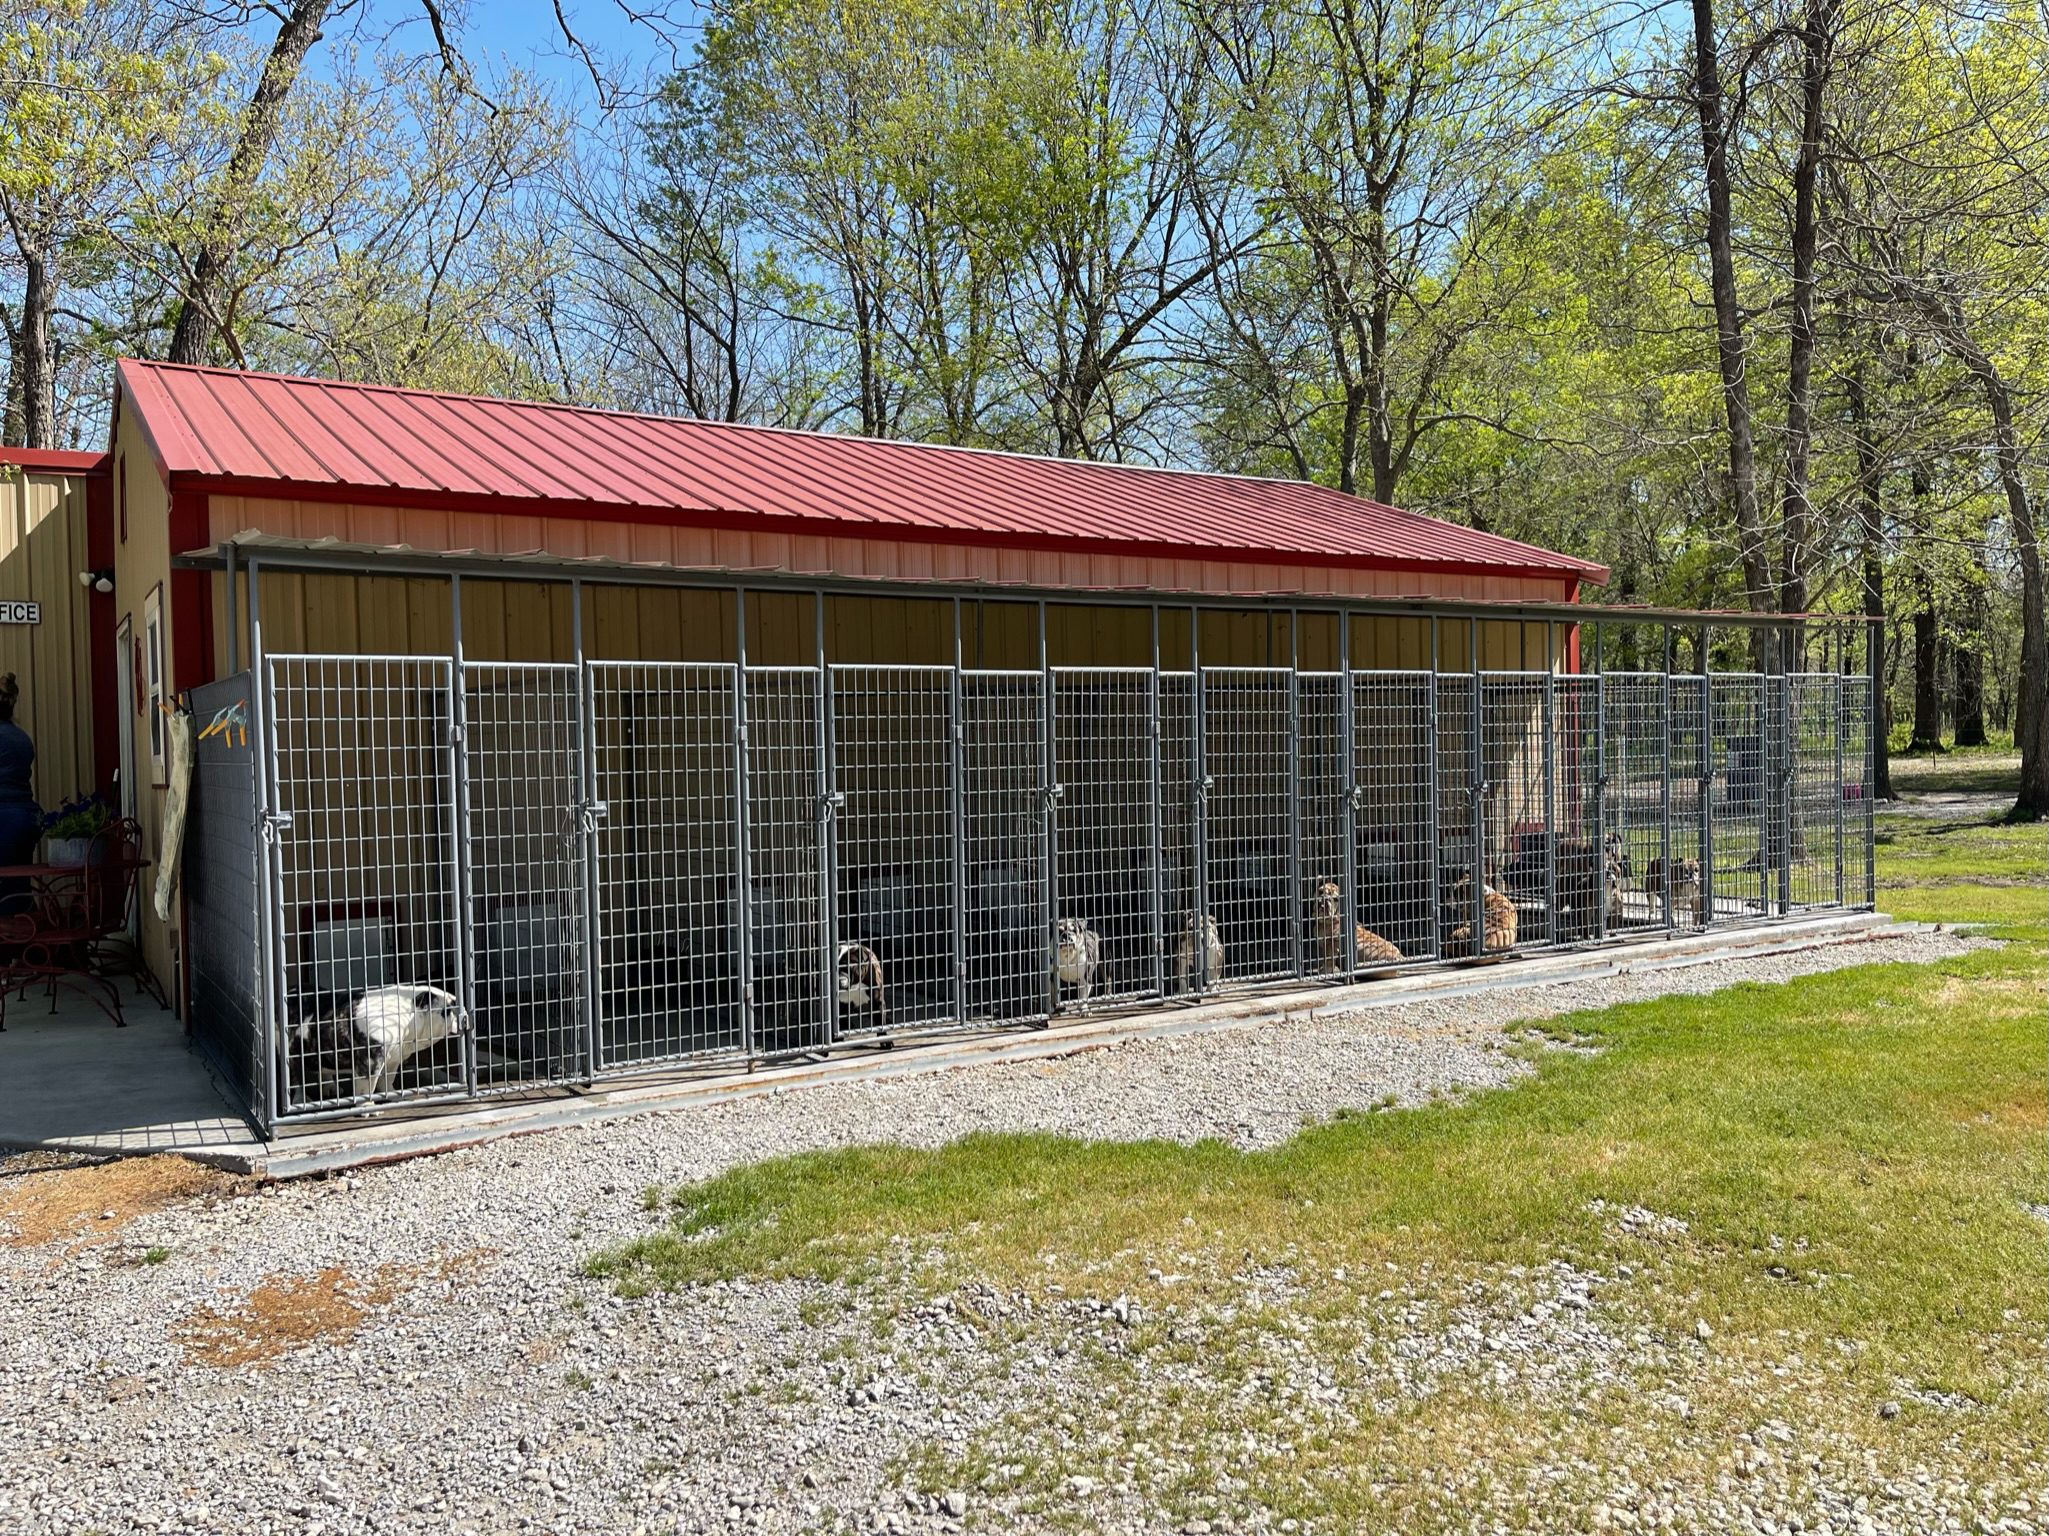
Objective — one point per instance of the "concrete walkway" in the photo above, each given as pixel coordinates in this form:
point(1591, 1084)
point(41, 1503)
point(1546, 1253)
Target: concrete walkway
point(71, 1081)
point(74, 1083)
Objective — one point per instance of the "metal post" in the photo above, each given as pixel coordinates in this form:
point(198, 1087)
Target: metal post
point(234, 628)
point(269, 876)
point(1436, 828)
point(1838, 724)
point(459, 770)
point(1198, 931)
point(1784, 777)
point(1665, 780)
point(1156, 856)
point(588, 812)
point(1707, 781)
point(1600, 789)
point(1295, 788)
point(960, 831)
point(744, 902)
point(1550, 803)
point(1348, 802)
point(828, 831)
point(1049, 816)
point(1478, 778)
point(1874, 662)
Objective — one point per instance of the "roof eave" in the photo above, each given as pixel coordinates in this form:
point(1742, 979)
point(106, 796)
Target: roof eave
point(727, 520)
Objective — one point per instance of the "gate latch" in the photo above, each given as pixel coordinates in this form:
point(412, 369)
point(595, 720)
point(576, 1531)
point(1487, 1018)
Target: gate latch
point(271, 825)
point(590, 812)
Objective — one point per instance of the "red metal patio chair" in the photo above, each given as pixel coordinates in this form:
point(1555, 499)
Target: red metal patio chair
point(73, 916)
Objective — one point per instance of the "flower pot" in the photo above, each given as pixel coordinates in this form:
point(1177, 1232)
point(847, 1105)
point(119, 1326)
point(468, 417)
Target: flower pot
point(65, 850)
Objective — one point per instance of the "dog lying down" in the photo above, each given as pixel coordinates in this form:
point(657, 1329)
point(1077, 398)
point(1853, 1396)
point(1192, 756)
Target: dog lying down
point(357, 1052)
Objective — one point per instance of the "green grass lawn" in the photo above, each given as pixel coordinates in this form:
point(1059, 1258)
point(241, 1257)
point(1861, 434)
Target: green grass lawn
point(1853, 1156)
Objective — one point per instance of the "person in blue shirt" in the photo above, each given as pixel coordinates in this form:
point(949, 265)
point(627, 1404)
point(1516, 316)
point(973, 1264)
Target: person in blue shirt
point(21, 819)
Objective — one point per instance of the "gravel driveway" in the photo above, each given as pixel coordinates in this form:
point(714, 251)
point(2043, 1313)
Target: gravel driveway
point(412, 1348)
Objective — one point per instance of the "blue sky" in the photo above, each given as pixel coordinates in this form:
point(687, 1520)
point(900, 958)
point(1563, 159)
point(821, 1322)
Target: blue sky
point(526, 35)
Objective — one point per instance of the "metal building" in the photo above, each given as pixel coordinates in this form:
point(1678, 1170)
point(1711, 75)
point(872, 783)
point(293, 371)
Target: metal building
point(568, 744)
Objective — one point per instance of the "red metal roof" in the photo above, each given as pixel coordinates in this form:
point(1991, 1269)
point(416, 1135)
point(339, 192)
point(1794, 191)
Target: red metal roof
point(264, 434)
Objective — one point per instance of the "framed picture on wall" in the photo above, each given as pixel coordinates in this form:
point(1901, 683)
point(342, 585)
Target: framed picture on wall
point(153, 677)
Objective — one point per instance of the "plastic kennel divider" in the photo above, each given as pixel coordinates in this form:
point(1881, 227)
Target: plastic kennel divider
point(487, 877)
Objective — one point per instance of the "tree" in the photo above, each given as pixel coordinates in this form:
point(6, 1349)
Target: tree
point(96, 93)
point(1730, 345)
point(199, 313)
point(1387, 137)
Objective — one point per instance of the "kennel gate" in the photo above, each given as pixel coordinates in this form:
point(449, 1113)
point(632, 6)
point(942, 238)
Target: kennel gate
point(619, 866)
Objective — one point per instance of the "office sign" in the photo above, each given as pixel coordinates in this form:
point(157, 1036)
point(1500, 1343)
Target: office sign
point(14, 611)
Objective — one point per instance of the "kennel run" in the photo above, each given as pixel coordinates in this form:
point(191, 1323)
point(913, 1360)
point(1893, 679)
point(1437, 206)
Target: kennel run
point(423, 878)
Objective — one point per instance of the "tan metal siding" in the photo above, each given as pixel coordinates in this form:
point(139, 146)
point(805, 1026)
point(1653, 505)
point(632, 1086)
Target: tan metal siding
point(42, 550)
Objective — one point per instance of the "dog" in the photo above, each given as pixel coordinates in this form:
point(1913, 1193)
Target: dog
point(1200, 931)
point(1686, 891)
point(357, 1053)
point(1079, 958)
point(1369, 949)
point(1498, 921)
point(860, 981)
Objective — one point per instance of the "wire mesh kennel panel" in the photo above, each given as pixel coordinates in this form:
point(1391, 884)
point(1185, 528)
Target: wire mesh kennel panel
point(1515, 824)
point(1103, 756)
point(1003, 845)
point(667, 852)
point(1395, 783)
point(892, 740)
point(1183, 814)
point(1681, 879)
point(789, 859)
point(1815, 789)
point(220, 877)
point(1739, 869)
point(1637, 746)
point(1859, 885)
point(1250, 886)
point(1323, 787)
point(1458, 800)
point(523, 760)
point(368, 959)
point(1582, 857)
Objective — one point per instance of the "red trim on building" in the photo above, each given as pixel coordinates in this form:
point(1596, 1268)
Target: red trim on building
point(57, 460)
point(830, 528)
point(190, 597)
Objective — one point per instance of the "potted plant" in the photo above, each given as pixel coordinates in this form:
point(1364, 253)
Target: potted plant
point(68, 830)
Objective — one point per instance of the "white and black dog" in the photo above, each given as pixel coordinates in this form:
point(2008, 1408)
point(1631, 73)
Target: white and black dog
point(357, 1052)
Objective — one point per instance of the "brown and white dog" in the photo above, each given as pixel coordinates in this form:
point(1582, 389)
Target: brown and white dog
point(860, 981)
point(1369, 949)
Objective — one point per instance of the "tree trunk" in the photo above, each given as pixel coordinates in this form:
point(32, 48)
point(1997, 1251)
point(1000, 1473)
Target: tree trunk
point(1729, 345)
point(2031, 707)
point(1968, 662)
point(35, 360)
point(199, 315)
point(1817, 44)
point(1927, 680)
point(1871, 516)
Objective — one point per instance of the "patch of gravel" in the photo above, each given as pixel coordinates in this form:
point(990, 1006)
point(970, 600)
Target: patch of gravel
point(423, 1354)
